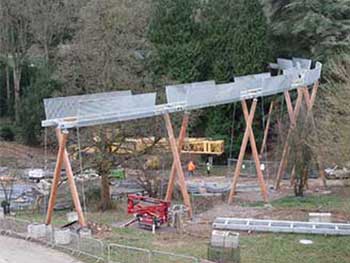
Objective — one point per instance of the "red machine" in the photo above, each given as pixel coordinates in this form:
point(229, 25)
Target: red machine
point(149, 212)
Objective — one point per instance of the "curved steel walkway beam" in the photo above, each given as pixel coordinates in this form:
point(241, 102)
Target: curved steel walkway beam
point(109, 108)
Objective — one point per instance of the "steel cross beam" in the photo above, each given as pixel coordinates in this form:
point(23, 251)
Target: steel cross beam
point(176, 156)
point(248, 134)
point(63, 159)
point(180, 142)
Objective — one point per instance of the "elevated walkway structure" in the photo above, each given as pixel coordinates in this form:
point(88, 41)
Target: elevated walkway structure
point(103, 108)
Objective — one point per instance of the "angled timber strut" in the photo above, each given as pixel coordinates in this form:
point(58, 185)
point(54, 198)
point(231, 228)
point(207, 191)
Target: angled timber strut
point(110, 107)
point(248, 134)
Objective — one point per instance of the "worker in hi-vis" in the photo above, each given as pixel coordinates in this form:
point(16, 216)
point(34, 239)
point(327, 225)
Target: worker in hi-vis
point(191, 167)
point(208, 166)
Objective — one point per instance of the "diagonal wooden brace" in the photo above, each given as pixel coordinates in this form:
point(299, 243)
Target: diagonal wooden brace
point(72, 185)
point(180, 142)
point(56, 176)
point(248, 134)
point(310, 101)
point(267, 127)
point(293, 115)
point(63, 159)
point(176, 157)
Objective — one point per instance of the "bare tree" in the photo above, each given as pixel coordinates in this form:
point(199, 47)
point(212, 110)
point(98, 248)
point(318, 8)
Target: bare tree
point(333, 113)
point(17, 39)
point(108, 142)
point(7, 184)
point(109, 49)
point(302, 154)
point(51, 21)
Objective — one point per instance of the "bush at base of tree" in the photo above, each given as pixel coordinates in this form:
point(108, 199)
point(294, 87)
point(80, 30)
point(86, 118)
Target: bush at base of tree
point(7, 133)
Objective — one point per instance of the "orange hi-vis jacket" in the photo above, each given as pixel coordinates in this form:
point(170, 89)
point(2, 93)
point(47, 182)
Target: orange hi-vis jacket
point(191, 166)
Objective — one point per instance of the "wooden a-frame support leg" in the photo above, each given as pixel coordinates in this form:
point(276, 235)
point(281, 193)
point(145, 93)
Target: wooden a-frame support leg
point(180, 142)
point(310, 101)
point(267, 127)
point(63, 158)
point(56, 178)
point(248, 134)
point(293, 115)
point(176, 156)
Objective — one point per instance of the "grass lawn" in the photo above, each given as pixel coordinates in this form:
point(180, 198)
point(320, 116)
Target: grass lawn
point(253, 248)
point(337, 201)
point(260, 247)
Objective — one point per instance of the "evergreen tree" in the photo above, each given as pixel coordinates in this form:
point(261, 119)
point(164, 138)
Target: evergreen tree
point(174, 34)
point(40, 84)
point(236, 44)
point(236, 38)
point(313, 28)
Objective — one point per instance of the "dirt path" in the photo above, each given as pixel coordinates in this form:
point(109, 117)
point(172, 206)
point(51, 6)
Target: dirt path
point(16, 251)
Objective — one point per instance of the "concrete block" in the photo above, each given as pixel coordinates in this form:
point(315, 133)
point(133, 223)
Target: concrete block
point(72, 216)
point(37, 230)
point(62, 236)
point(85, 233)
point(226, 239)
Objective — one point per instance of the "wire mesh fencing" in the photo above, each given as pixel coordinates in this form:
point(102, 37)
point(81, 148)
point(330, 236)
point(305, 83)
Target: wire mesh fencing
point(84, 247)
point(127, 254)
point(161, 256)
point(248, 168)
point(62, 239)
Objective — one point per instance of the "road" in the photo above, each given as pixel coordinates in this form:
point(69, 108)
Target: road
point(20, 251)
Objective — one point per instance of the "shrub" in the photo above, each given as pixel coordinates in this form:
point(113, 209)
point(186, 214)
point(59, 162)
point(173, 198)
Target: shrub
point(7, 133)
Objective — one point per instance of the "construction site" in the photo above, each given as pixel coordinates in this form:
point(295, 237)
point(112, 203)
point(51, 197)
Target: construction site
point(174, 131)
point(176, 202)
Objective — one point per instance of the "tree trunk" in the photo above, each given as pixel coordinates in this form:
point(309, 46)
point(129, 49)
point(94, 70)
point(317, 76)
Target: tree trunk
point(17, 89)
point(106, 202)
point(8, 88)
point(46, 48)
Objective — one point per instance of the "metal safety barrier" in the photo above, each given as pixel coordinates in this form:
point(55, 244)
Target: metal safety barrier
point(281, 226)
point(91, 249)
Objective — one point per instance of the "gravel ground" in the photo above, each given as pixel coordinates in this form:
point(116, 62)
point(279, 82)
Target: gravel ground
point(18, 251)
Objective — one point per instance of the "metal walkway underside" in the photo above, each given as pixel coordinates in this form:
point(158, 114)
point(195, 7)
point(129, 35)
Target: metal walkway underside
point(280, 226)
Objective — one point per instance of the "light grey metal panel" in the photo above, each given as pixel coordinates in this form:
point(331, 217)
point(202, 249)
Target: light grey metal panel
point(236, 91)
point(126, 115)
point(100, 107)
point(285, 63)
point(311, 76)
point(275, 85)
point(62, 107)
point(112, 117)
point(177, 93)
point(297, 76)
point(207, 96)
point(253, 77)
point(302, 63)
point(249, 89)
